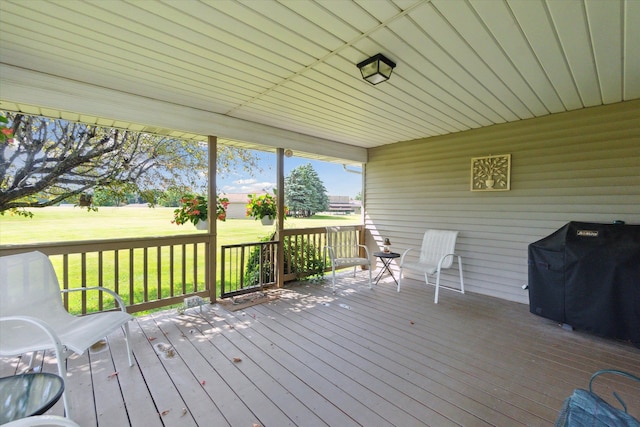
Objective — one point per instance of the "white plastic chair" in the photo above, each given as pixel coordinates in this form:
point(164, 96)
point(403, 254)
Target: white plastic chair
point(32, 316)
point(42, 421)
point(437, 254)
point(344, 251)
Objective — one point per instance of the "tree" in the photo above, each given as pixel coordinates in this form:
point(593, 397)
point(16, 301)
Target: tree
point(304, 192)
point(49, 161)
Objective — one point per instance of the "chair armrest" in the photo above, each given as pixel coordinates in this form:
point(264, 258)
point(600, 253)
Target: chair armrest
point(115, 296)
point(366, 250)
point(57, 344)
point(332, 255)
point(445, 257)
point(403, 255)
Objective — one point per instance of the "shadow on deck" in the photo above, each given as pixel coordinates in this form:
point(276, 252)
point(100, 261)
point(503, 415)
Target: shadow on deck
point(360, 357)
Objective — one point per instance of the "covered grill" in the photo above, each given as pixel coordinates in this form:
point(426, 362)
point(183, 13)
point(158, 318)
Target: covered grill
point(587, 275)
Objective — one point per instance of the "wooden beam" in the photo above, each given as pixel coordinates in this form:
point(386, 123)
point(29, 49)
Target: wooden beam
point(212, 201)
point(22, 86)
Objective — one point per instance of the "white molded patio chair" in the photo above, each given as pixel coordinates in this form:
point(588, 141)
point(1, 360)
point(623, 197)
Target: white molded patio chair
point(437, 254)
point(344, 251)
point(32, 316)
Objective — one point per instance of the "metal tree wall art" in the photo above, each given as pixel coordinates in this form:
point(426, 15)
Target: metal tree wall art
point(491, 173)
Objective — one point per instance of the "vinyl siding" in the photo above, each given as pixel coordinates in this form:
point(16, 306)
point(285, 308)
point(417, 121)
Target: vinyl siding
point(576, 166)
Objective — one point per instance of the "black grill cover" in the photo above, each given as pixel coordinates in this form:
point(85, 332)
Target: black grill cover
point(587, 275)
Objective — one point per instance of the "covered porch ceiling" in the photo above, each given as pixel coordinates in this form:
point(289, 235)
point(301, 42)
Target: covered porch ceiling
point(266, 74)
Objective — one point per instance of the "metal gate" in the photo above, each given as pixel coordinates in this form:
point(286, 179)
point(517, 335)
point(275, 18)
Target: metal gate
point(247, 267)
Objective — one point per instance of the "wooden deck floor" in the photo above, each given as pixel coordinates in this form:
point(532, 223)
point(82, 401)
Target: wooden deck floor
point(359, 358)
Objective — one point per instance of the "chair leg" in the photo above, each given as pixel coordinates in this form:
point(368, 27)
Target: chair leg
point(370, 279)
point(399, 279)
point(437, 287)
point(333, 277)
point(62, 371)
point(461, 280)
point(126, 340)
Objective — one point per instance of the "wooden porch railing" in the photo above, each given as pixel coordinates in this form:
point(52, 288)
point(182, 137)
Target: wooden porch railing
point(147, 273)
point(247, 267)
point(150, 273)
point(304, 256)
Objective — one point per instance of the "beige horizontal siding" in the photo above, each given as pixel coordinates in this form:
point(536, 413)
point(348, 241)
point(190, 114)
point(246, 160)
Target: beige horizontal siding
point(577, 166)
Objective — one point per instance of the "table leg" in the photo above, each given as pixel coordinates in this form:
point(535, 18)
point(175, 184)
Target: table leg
point(386, 262)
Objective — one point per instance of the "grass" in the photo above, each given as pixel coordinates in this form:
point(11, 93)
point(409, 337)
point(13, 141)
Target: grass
point(66, 223)
point(61, 224)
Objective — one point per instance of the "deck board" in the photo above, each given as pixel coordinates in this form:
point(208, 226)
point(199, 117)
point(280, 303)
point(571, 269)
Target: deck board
point(359, 357)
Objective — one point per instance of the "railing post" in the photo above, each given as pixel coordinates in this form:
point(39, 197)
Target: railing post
point(280, 219)
point(211, 247)
point(361, 241)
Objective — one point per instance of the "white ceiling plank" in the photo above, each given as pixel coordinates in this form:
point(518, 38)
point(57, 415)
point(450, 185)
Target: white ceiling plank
point(108, 52)
point(499, 19)
point(451, 105)
point(240, 11)
point(308, 29)
point(406, 4)
point(39, 89)
point(382, 10)
point(605, 22)
point(405, 111)
point(357, 16)
point(210, 29)
point(291, 65)
point(314, 12)
point(162, 43)
point(569, 18)
point(461, 62)
point(100, 65)
point(631, 60)
point(123, 82)
point(536, 25)
point(516, 93)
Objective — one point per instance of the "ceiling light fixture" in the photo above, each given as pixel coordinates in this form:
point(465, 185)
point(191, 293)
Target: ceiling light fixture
point(376, 69)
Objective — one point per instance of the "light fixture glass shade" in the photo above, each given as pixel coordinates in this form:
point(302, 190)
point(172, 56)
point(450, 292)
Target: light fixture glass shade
point(376, 69)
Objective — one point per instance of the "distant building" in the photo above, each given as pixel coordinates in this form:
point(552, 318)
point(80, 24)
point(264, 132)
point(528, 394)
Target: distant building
point(343, 205)
point(338, 205)
point(237, 208)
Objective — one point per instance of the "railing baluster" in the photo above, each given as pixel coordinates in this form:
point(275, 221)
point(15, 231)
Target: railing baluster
point(90, 263)
point(171, 278)
point(83, 269)
point(184, 269)
point(116, 271)
point(100, 283)
point(131, 278)
point(65, 279)
point(159, 270)
point(301, 246)
point(195, 267)
point(145, 279)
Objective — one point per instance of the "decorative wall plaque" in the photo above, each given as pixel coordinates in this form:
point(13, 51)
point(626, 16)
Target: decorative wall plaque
point(491, 173)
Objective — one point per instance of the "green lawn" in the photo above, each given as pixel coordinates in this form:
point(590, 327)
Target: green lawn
point(61, 224)
point(58, 224)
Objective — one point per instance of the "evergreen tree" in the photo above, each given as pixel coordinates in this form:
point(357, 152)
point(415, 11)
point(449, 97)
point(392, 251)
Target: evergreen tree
point(304, 192)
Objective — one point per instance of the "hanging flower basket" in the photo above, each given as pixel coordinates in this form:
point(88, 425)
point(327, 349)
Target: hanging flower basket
point(263, 207)
point(194, 209)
